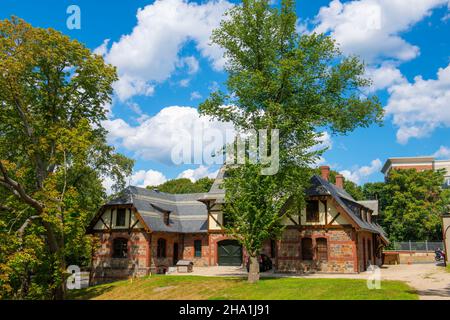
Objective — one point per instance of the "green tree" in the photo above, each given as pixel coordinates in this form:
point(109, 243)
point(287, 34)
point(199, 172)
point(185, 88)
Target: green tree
point(184, 185)
point(53, 153)
point(298, 84)
point(414, 204)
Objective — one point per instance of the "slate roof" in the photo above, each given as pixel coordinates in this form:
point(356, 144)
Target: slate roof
point(371, 204)
point(187, 215)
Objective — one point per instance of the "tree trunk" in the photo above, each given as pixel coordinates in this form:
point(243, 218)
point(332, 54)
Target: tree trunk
point(55, 249)
point(253, 274)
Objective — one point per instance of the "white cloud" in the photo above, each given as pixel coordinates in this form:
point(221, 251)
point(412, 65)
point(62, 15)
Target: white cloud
point(195, 95)
point(192, 64)
point(384, 76)
point(128, 86)
point(443, 152)
point(103, 48)
point(184, 83)
point(359, 174)
point(198, 173)
point(150, 53)
point(144, 178)
point(107, 184)
point(372, 28)
point(170, 128)
point(139, 178)
point(324, 141)
point(420, 107)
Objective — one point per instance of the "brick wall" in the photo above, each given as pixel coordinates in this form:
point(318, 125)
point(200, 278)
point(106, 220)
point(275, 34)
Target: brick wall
point(189, 250)
point(341, 253)
point(162, 264)
point(106, 268)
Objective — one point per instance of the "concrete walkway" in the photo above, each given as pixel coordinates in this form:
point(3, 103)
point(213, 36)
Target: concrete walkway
point(431, 281)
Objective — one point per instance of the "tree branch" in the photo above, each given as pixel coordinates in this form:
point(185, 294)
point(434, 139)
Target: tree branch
point(18, 190)
point(25, 224)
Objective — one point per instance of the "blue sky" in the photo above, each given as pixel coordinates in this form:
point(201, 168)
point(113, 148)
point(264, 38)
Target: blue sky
point(167, 68)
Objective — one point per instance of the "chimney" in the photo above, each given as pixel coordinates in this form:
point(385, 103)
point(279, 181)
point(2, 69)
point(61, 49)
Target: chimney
point(325, 172)
point(340, 181)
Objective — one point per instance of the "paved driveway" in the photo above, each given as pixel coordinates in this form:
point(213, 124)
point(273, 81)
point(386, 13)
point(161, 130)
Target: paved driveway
point(431, 281)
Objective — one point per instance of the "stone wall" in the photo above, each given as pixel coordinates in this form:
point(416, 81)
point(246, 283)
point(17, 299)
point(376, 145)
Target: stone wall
point(341, 251)
point(162, 264)
point(105, 268)
point(189, 250)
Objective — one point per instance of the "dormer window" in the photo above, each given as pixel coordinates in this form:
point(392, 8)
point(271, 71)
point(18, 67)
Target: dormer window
point(120, 218)
point(312, 211)
point(167, 218)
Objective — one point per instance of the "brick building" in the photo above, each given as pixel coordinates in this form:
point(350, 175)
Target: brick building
point(419, 164)
point(145, 231)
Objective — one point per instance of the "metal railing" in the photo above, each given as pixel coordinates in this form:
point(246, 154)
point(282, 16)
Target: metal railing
point(418, 245)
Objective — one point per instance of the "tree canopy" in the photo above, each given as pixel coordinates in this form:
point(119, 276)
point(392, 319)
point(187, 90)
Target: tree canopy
point(53, 153)
point(184, 185)
point(296, 83)
point(412, 205)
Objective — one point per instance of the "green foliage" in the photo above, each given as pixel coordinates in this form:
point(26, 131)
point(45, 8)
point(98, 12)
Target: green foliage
point(53, 154)
point(253, 203)
point(298, 84)
point(413, 205)
point(184, 185)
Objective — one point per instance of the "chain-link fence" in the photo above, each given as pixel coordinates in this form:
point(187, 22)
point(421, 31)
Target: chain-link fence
point(418, 245)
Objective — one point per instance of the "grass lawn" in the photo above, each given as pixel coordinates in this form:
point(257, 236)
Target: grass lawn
point(220, 288)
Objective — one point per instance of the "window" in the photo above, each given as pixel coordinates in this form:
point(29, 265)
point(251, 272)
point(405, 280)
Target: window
point(167, 218)
point(198, 248)
point(362, 214)
point(273, 248)
point(322, 249)
point(312, 211)
point(307, 249)
point(161, 249)
point(120, 218)
point(120, 248)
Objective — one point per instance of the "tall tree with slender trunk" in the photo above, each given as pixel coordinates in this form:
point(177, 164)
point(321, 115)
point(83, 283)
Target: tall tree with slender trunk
point(52, 96)
point(279, 79)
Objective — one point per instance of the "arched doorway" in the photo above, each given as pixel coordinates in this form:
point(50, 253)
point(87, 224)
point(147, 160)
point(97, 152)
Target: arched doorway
point(229, 253)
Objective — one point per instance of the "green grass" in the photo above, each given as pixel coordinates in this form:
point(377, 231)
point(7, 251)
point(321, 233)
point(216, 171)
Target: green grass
point(221, 288)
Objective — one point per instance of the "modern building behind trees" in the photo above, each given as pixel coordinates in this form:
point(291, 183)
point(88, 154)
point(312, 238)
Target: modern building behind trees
point(418, 163)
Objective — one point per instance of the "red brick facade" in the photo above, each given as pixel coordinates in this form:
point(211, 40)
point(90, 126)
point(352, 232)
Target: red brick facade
point(143, 257)
point(108, 268)
point(346, 252)
point(339, 251)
